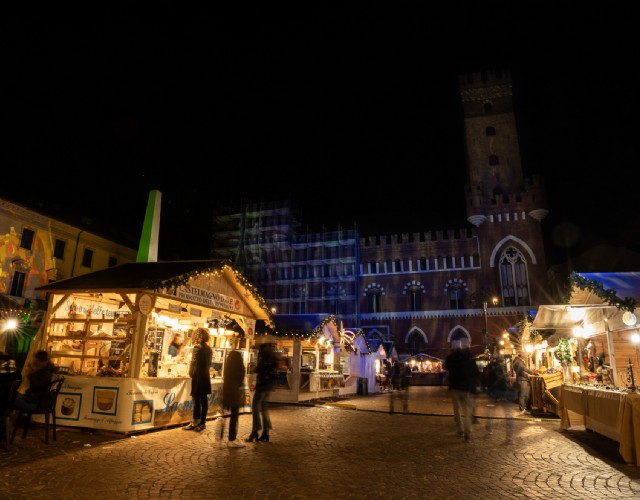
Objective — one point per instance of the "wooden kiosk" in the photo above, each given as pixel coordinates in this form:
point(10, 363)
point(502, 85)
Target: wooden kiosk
point(110, 331)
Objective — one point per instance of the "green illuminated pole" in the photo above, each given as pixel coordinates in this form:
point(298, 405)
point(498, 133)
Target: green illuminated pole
point(148, 247)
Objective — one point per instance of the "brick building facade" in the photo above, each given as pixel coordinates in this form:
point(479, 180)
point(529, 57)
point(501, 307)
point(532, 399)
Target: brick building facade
point(421, 290)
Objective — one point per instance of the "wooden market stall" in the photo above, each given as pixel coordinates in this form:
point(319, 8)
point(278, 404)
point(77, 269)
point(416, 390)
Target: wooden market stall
point(319, 358)
point(425, 369)
point(600, 385)
point(111, 330)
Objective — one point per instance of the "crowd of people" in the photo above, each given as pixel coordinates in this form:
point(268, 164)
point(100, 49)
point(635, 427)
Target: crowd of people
point(465, 380)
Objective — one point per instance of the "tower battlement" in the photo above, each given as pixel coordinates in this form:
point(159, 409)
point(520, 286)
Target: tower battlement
point(532, 196)
point(481, 79)
point(419, 237)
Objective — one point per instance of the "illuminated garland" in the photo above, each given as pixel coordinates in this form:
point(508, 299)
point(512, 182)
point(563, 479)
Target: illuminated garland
point(209, 269)
point(314, 334)
point(607, 295)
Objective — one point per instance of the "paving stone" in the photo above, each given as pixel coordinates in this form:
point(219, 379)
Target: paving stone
point(348, 448)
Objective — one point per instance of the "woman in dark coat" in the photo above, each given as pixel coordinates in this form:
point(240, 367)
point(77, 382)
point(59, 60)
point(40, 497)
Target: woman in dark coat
point(232, 379)
point(200, 379)
point(266, 370)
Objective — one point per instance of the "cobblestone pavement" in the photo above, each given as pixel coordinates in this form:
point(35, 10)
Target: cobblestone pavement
point(347, 449)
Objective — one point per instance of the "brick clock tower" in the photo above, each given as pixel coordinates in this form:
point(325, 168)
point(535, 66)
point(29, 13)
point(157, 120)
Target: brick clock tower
point(506, 207)
point(426, 290)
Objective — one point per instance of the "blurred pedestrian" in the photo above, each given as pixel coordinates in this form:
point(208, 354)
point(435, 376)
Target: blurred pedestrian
point(267, 375)
point(395, 375)
point(200, 379)
point(463, 381)
point(523, 382)
point(501, 394)
point(232, 379)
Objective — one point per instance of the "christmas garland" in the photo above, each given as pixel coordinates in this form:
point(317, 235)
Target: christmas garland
point(607, 295)
point(563, 351)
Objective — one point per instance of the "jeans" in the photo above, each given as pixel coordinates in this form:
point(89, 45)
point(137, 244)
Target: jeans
point(260, 408)
point(463, 406)
point(200, 408)
point(525, 391)
point(502, 401)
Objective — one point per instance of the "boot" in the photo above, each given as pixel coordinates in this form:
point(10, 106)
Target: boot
point(264, 436)
point(252, 437)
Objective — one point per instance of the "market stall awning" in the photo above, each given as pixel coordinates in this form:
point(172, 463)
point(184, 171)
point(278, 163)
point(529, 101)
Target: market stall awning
point(597, 300)
point(161, 277)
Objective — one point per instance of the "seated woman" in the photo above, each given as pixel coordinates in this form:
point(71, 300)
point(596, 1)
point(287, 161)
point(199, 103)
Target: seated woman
point(37, 376)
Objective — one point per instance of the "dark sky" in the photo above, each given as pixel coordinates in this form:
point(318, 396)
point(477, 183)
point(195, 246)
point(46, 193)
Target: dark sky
point(353, 113)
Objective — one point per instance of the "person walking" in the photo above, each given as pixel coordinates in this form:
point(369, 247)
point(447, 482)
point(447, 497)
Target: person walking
point(266, 370)
point(232, 379)
point(522, 372)
point(200, 380)
point(498, 390)
point(463, 380)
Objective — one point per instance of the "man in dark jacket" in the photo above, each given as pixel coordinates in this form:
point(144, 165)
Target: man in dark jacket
point(463, 380)
point(523, 382)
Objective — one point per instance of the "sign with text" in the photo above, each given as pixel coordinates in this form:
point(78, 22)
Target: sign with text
point(210, 299)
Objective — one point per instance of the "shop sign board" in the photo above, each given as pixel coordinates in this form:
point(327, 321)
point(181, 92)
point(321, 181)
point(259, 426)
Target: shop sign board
point(214, 300)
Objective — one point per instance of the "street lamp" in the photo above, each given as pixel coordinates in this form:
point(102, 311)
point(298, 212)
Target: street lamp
point(485, 333)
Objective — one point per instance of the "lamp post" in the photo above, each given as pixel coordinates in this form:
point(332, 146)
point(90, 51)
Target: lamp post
point(485, 333)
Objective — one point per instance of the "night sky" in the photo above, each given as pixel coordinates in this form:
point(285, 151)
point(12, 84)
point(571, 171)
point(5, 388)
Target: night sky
point(353, 114)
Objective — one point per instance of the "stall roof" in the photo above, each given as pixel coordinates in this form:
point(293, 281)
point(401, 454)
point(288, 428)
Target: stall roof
point(156, 276)
point(625, 285)
point(598, 303)
point(286, 325)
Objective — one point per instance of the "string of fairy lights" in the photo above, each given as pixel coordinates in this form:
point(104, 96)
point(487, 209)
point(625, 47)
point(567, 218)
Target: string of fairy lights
point(607, 295)
point(211, 269)
point(315, 333)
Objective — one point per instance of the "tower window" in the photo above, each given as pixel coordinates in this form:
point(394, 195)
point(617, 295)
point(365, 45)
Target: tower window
point(493, 160)
point(487, 107)
point(490, 131)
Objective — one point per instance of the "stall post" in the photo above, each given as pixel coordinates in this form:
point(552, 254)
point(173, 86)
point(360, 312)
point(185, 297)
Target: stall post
point(612, 355)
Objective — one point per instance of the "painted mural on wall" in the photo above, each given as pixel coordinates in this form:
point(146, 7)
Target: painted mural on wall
point(33, 263)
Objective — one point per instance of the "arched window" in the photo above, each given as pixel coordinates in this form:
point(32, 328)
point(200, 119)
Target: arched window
point(373, 297)
point(414, 293)
point(490, 131)
point(415, 343)
point(493, 160)
point(514, 278)
point(458, 334)
point(456, 295)
point(487, 107)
